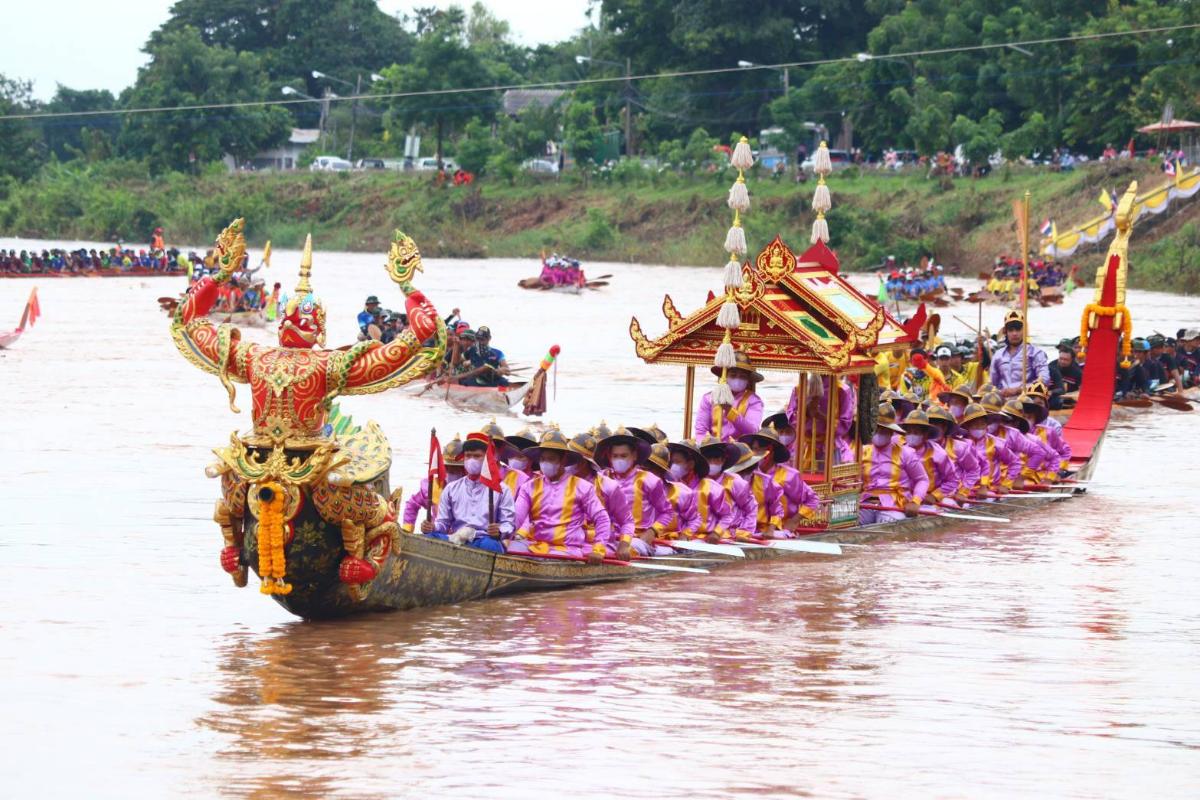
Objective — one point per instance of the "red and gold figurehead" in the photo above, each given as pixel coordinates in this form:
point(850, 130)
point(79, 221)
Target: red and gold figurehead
point(303, 321)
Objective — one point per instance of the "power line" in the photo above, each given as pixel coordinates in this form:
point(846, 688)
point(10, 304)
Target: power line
point(861, 57)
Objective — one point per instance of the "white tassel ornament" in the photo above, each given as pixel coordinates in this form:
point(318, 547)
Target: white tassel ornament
point(821, 200)
point(733, 274)
point(735, 240)
point(820, 231)
point(722, 395)
point(729, 318)
point(739, 196)
point(742, 157)
point(725, 356)
point(821, 163)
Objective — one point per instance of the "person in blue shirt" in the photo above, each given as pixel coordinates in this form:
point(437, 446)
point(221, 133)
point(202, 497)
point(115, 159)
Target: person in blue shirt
point(488, 367)
point(369, 314)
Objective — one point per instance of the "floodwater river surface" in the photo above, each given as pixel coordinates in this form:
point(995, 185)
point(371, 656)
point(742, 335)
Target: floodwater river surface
point(1053, 657)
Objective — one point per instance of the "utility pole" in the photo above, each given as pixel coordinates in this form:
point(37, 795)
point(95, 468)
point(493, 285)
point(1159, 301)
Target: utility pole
point(628, 110)
point(354, 118)
point(324, 114)
point(786, 83)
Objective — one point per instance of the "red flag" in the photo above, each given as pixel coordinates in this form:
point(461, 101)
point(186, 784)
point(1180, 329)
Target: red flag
point(35, 308)
point(490, 476)
point(914, 325)
point(437, 465)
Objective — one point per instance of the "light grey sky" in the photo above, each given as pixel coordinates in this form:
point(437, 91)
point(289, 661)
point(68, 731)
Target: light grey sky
point(88, 45)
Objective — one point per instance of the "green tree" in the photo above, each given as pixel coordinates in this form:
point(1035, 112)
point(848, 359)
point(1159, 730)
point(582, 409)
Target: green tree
point(20, 150)
point(581, 133)
point(928, 111)
point(72, 137)
point(292, 38)
point(980, 139)
point(441, 59)
point(1033, 137)
point(476, 147)
point(526, 135)
point(183, 71)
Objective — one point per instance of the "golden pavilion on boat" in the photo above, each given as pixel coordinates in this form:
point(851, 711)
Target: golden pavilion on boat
point(797, 314)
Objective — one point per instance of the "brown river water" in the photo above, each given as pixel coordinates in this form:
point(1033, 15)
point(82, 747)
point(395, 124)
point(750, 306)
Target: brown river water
point(1054, 657)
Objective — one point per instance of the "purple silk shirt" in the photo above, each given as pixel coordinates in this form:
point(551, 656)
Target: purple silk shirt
point(894, 474)
point(737, 422)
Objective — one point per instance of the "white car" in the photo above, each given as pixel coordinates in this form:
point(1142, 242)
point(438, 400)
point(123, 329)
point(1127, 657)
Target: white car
point(837, 159)
point(430, 165)
point(329, 164)
point(540, 165)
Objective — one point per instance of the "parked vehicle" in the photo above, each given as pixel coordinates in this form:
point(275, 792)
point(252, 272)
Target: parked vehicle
point(838, 158)
point(371, 163)
point(430, 164)
point(540, 165)
point(329, 164)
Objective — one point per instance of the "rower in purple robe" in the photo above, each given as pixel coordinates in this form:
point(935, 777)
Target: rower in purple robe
point(892, 473)
point(726, 460)
point(727, 422)
point(553, 510)
point(714, 513)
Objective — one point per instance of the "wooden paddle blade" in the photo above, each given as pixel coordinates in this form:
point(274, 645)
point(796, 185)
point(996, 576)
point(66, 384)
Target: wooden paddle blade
point(1174, 403)
point(973, 517)
point(793, 545)
point(667, 568)
point(705, 547)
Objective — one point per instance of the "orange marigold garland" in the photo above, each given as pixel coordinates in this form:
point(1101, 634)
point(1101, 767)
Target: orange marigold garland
point(271, 563)
point(1122, 319)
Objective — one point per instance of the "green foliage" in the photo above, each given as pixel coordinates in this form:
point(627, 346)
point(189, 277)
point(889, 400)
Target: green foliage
point(599, 232)
point(582, 133)
point(476, 147)
point(89, 137)
point(1032, 138)
point(20, 146)
point(184, 71)
point(503, 166)
point(979, 139)
point(441, 59)
point(928, 110)
point(1173, 262)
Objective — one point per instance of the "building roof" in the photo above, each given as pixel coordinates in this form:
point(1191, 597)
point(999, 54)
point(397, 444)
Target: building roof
point(797, 313)
point(517, 100)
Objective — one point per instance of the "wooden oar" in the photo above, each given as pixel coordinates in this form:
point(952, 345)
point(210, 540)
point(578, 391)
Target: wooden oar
point(600, 277)
point(613, 562)
point(1175, 403)
point(703, 547)
point(981, 512)
point(795, 546)
point(948, 515)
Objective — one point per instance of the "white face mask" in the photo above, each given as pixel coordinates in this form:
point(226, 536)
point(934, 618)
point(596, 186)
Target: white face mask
point(679, 471)
point(976, 433)
point(881, 439)
point(550, 470)
point(787, 438)
point(571, 469)
point(519, 463)
point(621, 465)
point(717, 468)
point(738, 384)
point(993, 427)
point(914, 439)
point(473, 466)
point(957, 410)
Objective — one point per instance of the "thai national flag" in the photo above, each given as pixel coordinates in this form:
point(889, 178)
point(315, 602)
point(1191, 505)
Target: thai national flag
point(490, 476)
point(1047, 227)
